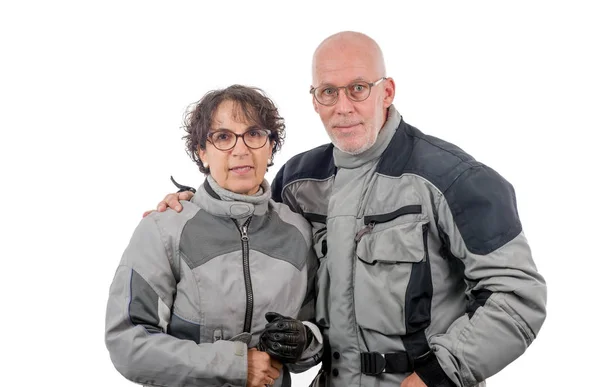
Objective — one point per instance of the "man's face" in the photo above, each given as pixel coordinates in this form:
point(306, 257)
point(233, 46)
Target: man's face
point(352, 126)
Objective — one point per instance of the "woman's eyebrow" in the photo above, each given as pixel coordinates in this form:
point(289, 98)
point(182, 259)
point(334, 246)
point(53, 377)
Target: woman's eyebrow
point(250, 127)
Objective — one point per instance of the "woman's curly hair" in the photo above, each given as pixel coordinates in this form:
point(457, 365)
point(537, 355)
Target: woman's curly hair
point(251, 105)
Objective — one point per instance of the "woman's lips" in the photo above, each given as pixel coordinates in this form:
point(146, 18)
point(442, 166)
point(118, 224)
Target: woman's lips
point(241, 170)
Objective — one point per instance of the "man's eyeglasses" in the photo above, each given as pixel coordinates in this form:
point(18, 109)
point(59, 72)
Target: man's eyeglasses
point(357, 91)
point(225, 140)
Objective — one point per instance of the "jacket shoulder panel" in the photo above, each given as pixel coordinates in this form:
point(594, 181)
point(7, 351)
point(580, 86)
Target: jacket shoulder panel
point(482, 202)
point(206, 236)
point(170, 225)
point(316, 164)
point(412, 151)
point(293, 219)
point(284, 236)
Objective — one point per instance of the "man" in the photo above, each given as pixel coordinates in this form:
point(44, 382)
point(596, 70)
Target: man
point(425, 277)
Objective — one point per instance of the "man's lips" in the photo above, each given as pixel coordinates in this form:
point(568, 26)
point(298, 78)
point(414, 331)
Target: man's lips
point(345, 125)
point(346, 129)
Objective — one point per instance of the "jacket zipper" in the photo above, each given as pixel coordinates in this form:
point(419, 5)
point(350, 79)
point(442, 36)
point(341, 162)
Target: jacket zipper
point(247, 280)
point(363, 231)
point(372, 220)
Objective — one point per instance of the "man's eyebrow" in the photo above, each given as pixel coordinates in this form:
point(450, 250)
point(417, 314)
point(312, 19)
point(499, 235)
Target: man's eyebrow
point(358, 79)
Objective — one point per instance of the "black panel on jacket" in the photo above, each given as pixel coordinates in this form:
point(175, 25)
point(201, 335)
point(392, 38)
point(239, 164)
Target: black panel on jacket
point(316, 164)
point(479, 299)
point(485, 209)
point(482, 202)
point(419, 292)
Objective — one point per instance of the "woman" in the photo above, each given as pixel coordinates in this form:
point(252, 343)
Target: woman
point(188, 300)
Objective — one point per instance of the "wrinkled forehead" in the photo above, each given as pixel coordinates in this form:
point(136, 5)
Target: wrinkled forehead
point(340, 66)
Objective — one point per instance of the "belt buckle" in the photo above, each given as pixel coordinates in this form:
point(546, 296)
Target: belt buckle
point(372, 363)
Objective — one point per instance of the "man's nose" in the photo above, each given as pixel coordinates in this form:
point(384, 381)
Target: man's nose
point(343, 105)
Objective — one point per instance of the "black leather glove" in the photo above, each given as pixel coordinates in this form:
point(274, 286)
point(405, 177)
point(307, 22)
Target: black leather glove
point(284, 338)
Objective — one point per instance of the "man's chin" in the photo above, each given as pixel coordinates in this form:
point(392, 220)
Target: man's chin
point(351, 148)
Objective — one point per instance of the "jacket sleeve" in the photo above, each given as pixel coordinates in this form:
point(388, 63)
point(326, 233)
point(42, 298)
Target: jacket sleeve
point(277, 185)
point(477, 217)
point(314, 351)
point(137, 318)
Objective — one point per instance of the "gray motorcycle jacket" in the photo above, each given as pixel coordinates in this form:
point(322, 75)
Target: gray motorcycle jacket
point(424, 266)
point(192, 288)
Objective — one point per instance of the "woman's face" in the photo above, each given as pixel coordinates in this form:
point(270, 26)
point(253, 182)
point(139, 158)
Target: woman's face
point(240, 169)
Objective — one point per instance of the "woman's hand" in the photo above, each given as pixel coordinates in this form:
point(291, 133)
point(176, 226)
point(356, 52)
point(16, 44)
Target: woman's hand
point(261, 369)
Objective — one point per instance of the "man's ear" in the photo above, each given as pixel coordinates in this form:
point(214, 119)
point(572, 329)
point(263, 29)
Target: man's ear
point(315, 105)
point(389, 90)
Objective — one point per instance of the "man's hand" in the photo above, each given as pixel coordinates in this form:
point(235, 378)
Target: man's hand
point(413, 380)
point(171, 201)
point(261, 369)
point(284, 338)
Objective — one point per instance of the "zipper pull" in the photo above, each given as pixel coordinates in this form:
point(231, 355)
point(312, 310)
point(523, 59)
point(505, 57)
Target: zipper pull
point(364, 231)
point(245, 232)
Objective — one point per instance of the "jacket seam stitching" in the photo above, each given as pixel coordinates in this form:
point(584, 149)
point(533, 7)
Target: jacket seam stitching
point(510, 312)
point(295, 180)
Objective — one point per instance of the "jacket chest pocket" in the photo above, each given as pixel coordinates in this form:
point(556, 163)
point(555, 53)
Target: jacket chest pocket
point(392, 289)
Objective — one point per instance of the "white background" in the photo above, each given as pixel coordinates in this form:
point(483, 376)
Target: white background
point(92, 96)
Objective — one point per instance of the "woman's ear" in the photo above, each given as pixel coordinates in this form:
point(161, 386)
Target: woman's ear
point(270, 162)
point(202, 156)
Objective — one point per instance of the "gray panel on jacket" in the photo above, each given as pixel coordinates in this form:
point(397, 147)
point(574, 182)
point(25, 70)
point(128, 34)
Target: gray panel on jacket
point(278, 239)
point(206, 236)
point(143, 308)
point(183, 329)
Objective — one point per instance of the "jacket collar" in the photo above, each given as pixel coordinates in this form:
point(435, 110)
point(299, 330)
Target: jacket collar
point(218, 201)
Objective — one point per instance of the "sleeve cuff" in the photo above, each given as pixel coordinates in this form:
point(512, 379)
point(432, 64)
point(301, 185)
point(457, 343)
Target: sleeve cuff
point(316, 346)
point(432, 374)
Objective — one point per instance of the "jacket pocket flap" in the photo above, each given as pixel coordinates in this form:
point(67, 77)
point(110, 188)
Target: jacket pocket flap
point(400, 243)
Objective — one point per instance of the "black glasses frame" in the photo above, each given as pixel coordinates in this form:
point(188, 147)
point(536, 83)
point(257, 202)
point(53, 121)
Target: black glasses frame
point(237, 136)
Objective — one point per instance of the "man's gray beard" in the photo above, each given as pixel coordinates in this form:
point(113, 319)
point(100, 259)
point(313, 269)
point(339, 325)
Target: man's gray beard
point(358, 151)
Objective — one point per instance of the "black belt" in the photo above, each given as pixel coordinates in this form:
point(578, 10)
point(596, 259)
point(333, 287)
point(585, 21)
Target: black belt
point(375, 363)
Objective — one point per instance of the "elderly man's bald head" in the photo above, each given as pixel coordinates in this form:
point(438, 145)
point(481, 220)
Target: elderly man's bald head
point(348, 46)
